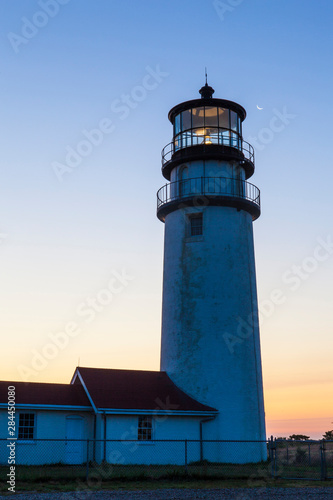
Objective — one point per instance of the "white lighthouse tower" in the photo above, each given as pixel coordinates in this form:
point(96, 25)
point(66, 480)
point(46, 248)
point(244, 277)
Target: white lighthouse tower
point(210, 333)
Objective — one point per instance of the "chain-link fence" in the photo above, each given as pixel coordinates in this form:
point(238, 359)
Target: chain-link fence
point(301, 459)
point(101, 460)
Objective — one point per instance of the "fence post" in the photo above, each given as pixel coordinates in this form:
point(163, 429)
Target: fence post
point(323, 472)
point(269, 452)
point(275, 457)
point(87, 465)
point(272, 456)
point(186, 456)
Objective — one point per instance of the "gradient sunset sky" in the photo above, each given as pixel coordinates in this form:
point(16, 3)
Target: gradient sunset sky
point(69, 67)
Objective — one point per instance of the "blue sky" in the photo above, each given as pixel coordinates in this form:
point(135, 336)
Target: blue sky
point(61, 240)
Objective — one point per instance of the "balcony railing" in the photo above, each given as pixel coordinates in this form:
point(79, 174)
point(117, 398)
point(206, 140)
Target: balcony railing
point(218, 190)
point(206, 137)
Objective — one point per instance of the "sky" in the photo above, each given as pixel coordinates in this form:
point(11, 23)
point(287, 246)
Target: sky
point(85, 92)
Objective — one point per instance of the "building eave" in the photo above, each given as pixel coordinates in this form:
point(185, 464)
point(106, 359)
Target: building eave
point(32, 406)
point(76, 375)
point(174, 413)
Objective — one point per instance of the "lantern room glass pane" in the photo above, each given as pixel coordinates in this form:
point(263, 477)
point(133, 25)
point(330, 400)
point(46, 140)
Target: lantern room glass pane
point(186, 119)
point(234, 140)
point(187, 139)
point(233, 120)
point(239, 126)
point(211, 136)
point(211, 116)
point(198, 136)
point(178, 142)
point(224, 138)
point(223, 118)
point(177, 124)
point(198, 117)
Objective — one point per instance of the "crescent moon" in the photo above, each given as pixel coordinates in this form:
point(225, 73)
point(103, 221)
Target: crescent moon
point(259, 108)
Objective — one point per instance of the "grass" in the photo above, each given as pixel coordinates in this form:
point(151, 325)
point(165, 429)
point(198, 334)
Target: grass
point(152, 484)
point(60, 477)
point(106, 472)
point(294, 462)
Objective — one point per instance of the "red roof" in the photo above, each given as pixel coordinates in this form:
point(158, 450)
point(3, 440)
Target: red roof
point(108, 389)
point(45, 394)
point(136, 390)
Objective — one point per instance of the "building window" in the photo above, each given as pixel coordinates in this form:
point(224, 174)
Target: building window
point(196, 225)
point(26, 429)
point(145, 429)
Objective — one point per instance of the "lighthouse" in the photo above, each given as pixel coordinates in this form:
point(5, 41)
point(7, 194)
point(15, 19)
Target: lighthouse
point(210, 331)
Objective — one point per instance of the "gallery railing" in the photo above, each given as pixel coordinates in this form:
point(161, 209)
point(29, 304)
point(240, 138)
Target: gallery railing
point(208, 186)
point(207, 137)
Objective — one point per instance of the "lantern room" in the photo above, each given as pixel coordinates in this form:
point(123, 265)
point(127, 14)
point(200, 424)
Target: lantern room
point(207, 128)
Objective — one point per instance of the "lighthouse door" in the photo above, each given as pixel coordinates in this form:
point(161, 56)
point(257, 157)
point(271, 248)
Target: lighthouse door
point(74, 449)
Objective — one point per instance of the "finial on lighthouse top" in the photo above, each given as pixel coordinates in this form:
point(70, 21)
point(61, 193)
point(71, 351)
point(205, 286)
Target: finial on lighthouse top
point(206, 91)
